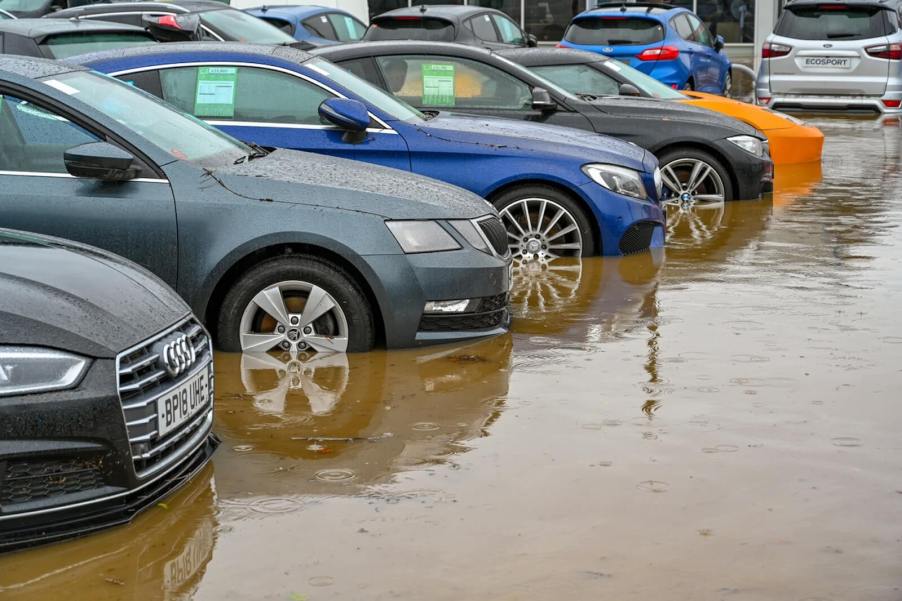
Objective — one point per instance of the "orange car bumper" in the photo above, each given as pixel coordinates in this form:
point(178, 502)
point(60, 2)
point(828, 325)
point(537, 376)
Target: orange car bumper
point(794, 145)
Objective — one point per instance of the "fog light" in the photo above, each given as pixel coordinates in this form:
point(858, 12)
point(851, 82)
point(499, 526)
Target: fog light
point(447, 306)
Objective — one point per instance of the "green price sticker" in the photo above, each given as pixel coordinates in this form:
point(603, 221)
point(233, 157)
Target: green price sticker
point(215, 95)
point(438, 85)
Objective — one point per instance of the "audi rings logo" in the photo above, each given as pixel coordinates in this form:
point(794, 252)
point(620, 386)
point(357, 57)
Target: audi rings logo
point(177, 355)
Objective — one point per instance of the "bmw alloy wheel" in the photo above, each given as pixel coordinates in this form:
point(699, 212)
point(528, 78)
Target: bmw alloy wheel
point(293, 316)
point(540, 229)
point(692, 183)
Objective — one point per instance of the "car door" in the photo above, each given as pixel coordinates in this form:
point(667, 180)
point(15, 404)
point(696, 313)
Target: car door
point(270, 107)
point(484, 29)
point(706, 61)
point(135, 218)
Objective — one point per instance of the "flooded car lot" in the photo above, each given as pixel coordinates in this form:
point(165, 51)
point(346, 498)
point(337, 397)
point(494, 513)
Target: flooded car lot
point(717, 423)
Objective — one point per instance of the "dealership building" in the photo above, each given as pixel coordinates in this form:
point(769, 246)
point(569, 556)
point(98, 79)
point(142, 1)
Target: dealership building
point(744, 24)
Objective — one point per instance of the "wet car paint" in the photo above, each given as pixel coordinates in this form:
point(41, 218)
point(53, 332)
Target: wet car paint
point(721, 424)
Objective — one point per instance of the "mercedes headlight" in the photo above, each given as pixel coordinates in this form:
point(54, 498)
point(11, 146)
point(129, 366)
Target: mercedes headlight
point(30, 369)
point(421, 236)
point(617, 179)
point(750, 144)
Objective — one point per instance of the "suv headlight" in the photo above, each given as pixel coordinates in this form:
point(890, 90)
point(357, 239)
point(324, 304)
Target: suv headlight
point(617, 179)
point(750, 144)
point(421, 236)
point(30, 369)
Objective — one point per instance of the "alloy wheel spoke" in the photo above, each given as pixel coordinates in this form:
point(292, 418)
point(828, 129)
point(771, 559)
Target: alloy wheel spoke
point(563, 232)
point(527, 217)
point(260, 342)
point(699, 175)
point(671, 180)
point(565, 246)
point(708, 200)
point(318, 304)
point(333, 344)
point(271, 301)
point(514, 221)
point(541, 218)
point(553, 221)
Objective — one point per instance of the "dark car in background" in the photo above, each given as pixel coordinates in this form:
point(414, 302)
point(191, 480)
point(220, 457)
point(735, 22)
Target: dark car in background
point(184, 20)
point(62, 38)
point(313, 26)
point(273, 250)
point(106, 390)
point(24, 9)
point(706, 156)
point(472, 25)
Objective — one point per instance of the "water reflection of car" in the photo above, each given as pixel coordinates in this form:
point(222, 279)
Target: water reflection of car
point(62, 38)
point(271, 250)
point(371, 414)
point(161, 556)
point(106, 390)
point(313, 26)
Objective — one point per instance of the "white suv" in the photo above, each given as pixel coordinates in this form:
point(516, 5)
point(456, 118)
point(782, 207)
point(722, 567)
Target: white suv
point(834, 55)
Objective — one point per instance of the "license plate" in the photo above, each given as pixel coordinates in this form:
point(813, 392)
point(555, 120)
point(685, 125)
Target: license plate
point(183, 403)
point(833, 62)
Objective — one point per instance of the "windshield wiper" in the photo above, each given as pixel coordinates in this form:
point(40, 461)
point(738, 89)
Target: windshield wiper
point(255, 153)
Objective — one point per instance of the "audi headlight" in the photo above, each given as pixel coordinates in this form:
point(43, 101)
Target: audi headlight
point(750, 144)
point(421, 236)
point(617, 179)
point(29, 369)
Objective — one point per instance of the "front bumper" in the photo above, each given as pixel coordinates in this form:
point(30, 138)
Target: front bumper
point(753, 176)
point(407, 282)
point(627, 225)
point(795, 145)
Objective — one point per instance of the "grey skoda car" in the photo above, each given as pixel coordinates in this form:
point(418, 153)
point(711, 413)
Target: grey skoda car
point(106, 390)
point(834, 55)
point(272, 250)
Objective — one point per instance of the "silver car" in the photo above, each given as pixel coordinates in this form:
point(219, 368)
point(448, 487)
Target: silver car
point(834, 55)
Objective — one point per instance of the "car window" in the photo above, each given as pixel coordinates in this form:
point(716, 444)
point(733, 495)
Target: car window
point(415, 28)
point(70, 44)
point(645, 83)
point(580, 79)
point(347, 28)
point(614, 31)
point(700, 32)
point(242, 27)
point(433, 81)
point(482, 28)
point(510, 31)
point(682, 26)
point(832, 22)
point(366, 91)
point(33, 139)
point(320, 27)
point(23, 5)
point(284, 25)
point(226, 93)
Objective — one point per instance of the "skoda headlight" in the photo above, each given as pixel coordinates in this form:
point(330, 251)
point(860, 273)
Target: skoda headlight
point(617, 179)
point(28, 369)
point(750, 144)
point(421, 236)
point(468, 230)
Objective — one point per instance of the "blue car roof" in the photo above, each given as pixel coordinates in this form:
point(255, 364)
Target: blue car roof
point(647, 10)
point(217, 50)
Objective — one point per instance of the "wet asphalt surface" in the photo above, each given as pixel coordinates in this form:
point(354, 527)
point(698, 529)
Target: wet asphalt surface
point(719, 423)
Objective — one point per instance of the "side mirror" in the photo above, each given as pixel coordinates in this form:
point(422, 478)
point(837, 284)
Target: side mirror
point(531, 40)
point(719, 43)
point(628, 89)
point(542, 101)
point(100, 160)
point(173, 28)
point(350, 115)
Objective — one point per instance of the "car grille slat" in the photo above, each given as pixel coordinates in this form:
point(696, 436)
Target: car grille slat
point(496, 234)
point(35, 479)
point(142, 382)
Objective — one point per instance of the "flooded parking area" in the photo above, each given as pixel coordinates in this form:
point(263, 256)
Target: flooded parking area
point(720, 422)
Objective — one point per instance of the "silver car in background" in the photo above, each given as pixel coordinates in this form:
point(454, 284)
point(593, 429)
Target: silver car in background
point(834, 55)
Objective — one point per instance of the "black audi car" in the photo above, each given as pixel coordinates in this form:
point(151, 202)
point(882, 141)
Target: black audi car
point(106, 390)
point(62, 38)
point(705, 157)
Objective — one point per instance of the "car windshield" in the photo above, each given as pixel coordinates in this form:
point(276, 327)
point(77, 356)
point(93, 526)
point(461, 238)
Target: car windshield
point(410, 28)
point(70, 44)
point(543, 82)
point(645, 83)
point(242, 27)
point(182, 136)
point(22, 5)
point(833, 22)
point(397, 109)
point(614, 31)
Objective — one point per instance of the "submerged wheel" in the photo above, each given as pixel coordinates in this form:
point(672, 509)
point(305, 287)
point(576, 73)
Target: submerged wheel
point(295, 304)
point(544, 224)
point(694, 179)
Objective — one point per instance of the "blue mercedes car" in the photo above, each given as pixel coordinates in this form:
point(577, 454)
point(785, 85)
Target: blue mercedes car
point(668, 42)
point(560, 191)
point(313, 26)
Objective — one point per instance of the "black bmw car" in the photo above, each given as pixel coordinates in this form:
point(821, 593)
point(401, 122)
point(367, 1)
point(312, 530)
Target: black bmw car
point(705, 157)
point(106, 390)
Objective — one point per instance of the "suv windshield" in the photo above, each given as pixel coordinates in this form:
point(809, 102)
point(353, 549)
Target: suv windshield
point(614, 31)
point(174, 132)
point(69, 44)
point(242, 27)
point(833, 22)
point(410, 28)
point(398, 109)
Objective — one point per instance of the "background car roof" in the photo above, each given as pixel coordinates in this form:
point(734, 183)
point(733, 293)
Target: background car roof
point(35, 68)
point(449, 12)
point(345, 51)
point(208, 48)
point(294, 11)
point(36, 28)
point(541, 57)
point(888, 4)
point(168, 6)
point(633, 9)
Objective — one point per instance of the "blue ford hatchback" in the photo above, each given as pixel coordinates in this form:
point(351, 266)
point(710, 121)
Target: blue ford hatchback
point(560, 191)
point(313, 26)
point(667, 42)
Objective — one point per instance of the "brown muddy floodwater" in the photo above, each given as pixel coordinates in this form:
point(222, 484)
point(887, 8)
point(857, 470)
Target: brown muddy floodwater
point(720, 423)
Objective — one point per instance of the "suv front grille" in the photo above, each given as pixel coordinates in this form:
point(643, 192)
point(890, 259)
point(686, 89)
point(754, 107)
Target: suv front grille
point(35, 479)
point(496, 234)
point(142, 380)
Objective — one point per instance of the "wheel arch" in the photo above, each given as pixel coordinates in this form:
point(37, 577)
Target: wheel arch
point(734, 181)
